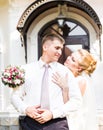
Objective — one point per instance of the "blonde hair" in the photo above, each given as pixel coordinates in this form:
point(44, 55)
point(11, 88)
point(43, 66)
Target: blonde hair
point(86, 62)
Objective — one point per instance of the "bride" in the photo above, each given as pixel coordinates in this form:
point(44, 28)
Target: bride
point(82, 64)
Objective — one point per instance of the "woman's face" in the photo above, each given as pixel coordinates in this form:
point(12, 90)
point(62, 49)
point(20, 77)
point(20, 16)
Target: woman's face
point(72, 61)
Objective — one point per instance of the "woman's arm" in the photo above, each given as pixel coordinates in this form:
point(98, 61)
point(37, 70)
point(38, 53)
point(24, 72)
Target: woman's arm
point(65, 94)
point(62, 82)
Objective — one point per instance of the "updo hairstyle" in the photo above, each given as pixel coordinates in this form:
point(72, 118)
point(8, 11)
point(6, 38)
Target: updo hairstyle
point(87, 61)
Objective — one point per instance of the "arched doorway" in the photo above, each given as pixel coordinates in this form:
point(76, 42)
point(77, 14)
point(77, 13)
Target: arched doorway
point(75, 34)
point(42, 15)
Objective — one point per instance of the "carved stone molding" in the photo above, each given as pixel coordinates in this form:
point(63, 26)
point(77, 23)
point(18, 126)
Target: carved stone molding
point(38, 4)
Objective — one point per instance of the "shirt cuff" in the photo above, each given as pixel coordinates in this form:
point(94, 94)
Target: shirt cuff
point(57, 114)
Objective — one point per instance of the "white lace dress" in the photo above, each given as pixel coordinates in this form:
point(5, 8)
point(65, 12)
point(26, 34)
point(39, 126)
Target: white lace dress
point(85, 118)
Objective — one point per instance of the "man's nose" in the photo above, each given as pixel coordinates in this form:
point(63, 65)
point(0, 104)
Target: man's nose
point(60, 51)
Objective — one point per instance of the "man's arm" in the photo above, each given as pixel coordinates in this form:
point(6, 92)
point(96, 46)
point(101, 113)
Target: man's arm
point(17, 101)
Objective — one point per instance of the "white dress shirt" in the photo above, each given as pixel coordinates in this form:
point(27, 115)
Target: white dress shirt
point(29, 94)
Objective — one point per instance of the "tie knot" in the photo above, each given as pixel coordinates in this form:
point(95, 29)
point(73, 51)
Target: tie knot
point(46, 65)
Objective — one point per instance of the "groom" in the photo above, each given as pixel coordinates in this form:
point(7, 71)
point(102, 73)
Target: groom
point(29, 101)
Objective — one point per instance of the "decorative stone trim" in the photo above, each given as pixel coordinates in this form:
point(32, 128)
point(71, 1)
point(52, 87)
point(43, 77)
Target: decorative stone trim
point(7, 119)
point(38, 3)
point(28, 11)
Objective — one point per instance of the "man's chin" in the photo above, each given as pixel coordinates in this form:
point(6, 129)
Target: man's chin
point(55, 60)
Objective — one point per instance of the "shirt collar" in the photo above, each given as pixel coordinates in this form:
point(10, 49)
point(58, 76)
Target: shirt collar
point(42, 63)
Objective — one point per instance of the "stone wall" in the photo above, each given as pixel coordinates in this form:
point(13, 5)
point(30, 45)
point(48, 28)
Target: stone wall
point(11, 121)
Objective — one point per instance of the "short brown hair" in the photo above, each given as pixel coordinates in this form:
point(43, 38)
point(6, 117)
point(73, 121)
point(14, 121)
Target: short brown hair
point(51, 37)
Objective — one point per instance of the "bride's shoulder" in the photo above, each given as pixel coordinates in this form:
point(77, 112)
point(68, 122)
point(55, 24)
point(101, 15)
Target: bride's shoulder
point(82, 83)
point(80, 78)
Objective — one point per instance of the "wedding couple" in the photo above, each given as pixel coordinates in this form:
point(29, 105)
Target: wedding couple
point(70, 99)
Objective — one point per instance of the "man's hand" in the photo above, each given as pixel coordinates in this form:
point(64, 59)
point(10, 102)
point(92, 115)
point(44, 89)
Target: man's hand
point(33, 111)
point(40, 115)
point(46, 115)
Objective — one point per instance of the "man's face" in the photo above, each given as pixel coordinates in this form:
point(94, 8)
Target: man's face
point(53, 50)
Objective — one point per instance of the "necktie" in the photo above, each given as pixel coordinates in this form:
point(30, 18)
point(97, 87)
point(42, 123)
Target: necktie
point(45, 89)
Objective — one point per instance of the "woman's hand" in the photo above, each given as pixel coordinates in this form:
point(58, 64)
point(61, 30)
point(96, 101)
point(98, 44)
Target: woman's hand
point(61, 81)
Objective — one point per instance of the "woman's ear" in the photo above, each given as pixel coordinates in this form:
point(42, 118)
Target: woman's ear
point(80, 69)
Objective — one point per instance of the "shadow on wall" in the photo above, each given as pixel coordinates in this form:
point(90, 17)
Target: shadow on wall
point(98, 85)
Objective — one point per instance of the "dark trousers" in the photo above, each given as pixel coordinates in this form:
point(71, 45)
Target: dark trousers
point(27, 123)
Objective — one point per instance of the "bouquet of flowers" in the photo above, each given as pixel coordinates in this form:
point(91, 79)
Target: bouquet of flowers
point(13, 76)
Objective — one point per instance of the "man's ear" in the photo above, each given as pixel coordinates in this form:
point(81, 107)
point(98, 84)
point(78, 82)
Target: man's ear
point(44, 47)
